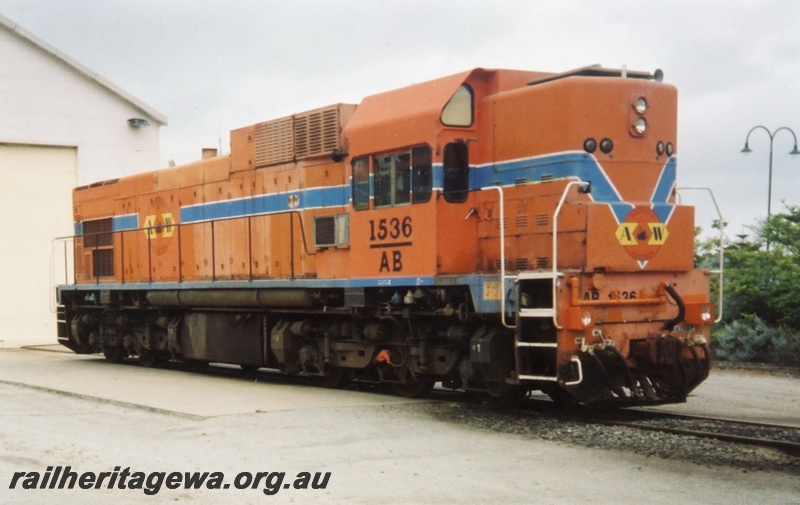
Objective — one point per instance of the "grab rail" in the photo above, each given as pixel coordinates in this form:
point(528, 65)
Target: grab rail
point(720, 270)
point(557, 212)
point(503, 276)
point(151, 231)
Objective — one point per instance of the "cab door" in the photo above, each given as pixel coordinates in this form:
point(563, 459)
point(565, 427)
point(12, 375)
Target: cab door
point(457, 213)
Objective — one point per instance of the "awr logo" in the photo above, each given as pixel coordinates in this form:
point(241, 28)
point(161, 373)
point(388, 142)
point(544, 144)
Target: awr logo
point(642, 233)
point(162, 225)
point(159, 226)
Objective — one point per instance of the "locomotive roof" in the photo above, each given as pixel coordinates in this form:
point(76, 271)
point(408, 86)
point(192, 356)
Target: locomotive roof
point(598, 70)
point(405, 109)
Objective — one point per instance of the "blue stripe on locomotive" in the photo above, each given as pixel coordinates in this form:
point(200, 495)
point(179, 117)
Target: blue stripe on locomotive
point(118, 223)
point(126, 222)
point(267, 204)
point(573, 164)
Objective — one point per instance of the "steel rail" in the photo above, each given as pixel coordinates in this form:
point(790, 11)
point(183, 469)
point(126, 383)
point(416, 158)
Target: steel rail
point(546, 408)
point(791, 448)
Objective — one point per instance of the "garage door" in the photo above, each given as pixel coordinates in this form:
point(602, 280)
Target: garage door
point(35, 205)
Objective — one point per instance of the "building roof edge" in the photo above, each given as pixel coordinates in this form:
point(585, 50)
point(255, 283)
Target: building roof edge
point(82, 70)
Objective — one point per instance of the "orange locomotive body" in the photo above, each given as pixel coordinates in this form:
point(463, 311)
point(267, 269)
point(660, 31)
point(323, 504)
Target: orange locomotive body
point(497, 231)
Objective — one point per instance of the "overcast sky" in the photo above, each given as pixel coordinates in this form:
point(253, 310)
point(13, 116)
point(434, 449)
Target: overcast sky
point(211, 66)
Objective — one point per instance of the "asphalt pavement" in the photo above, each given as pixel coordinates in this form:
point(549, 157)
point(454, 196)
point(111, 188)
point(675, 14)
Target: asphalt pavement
point(277, 440)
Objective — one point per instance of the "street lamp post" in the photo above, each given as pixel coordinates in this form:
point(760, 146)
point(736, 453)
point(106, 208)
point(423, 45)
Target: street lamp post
point(771, 139)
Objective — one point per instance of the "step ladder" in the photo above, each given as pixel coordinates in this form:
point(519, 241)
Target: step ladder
point(535, 335)
point(535, 328)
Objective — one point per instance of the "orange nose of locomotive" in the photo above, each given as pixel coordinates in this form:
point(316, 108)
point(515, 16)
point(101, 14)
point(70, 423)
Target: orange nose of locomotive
point(632, 313)
point(644, 311)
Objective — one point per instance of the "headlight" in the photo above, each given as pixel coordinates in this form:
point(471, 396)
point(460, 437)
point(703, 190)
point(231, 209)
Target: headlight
point(640, 125)
point(640, 105)
point(705, 313)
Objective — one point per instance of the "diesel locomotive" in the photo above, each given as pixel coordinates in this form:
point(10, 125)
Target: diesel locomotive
point(495, 231)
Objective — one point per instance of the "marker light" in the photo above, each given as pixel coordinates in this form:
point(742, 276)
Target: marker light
point(606, 145)
point(670, 149)
point(589, 145)
point(660, 148)
point(586, 318)
point(705, 313)
point(640, 105)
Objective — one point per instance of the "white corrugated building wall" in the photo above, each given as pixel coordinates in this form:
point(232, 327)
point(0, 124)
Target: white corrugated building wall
point(60, 123)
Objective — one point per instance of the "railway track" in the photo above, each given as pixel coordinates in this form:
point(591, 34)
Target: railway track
point(781, 437)
point(785, 438)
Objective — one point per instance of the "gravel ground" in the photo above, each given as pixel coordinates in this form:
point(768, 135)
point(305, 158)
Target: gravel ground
point(708, 452)
point(758, 368)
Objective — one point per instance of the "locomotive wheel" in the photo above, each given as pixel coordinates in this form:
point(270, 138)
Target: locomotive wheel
point(560, 397)
point(414, 388)
point(333, 378)
point(115, 354)
point(249, 371)
point(197, 365)
point(504, 397)
point(150, 359)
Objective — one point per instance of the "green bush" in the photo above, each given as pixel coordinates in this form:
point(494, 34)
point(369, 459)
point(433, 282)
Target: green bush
point(762, 273)
point(749, 339)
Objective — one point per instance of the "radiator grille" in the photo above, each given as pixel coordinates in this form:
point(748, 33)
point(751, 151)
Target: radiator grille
point(273, 142)
point(291, 138)
point(83, 266)
point(94, 233)
point(103, 262)
point(316, 132)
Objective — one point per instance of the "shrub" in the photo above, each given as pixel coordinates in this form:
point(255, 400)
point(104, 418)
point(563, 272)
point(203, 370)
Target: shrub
point(749, 339)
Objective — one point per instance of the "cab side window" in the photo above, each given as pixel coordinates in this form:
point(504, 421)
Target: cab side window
point(403, 178)
point(361, 183)
point(456, 172)
point(460, 110)
point(421, 178)
point(384, 179)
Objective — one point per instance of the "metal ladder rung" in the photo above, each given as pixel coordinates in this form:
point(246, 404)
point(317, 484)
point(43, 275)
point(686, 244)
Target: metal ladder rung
point(537, 313)
point(537, 344)
point(538, 275)
point(537, 378)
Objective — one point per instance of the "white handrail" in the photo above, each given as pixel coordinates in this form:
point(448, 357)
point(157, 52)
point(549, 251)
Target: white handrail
point(68, 268)
point(502, 256)
point(720, 270)
point(555, 244)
